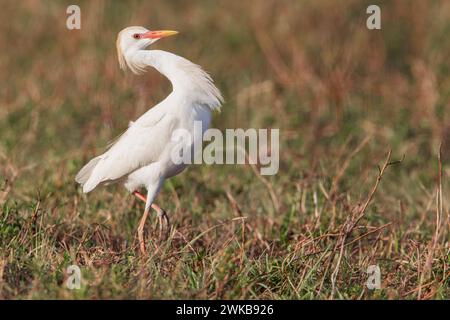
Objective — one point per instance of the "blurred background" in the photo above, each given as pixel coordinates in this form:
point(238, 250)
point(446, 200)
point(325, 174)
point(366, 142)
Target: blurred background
point(341, 95)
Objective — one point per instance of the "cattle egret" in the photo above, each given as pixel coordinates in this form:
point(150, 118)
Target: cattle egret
point(141, 156)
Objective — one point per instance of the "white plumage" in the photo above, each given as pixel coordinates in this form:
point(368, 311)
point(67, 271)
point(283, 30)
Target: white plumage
point(141, 157)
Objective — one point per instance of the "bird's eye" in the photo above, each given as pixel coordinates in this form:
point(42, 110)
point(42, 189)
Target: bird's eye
point(136, 36)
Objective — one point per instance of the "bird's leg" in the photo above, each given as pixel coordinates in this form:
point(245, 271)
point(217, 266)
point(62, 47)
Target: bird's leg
point(164, 222)
point(141, 232)
point(140, 196)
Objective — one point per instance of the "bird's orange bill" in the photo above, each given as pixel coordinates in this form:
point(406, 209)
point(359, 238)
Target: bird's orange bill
point(158, 34)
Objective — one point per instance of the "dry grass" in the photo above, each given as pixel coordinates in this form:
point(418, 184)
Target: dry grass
point(342, 96)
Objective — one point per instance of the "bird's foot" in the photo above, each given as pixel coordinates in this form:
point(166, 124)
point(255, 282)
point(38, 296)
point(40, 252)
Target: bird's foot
point(164, 224)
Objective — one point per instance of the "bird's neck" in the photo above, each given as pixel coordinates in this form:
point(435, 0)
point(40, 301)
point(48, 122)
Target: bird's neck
point(187, 78)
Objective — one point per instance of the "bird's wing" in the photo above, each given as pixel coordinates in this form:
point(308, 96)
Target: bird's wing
point(140, 145)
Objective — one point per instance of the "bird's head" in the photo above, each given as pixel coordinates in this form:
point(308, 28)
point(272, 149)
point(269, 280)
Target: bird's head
point(132, 39)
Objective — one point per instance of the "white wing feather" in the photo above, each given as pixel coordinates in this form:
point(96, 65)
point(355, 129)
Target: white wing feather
point(140, 145)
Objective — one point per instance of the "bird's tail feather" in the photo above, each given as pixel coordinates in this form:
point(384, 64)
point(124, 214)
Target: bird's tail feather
point(85, 173)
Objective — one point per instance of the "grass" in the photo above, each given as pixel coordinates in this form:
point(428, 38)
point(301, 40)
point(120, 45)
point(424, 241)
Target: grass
point(342, 96)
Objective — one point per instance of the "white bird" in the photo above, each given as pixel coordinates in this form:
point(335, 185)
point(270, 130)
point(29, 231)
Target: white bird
point(141, 157)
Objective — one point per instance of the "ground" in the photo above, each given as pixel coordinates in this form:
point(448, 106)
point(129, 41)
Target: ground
point(362, 116)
